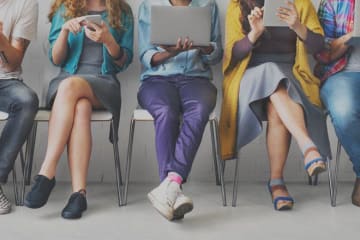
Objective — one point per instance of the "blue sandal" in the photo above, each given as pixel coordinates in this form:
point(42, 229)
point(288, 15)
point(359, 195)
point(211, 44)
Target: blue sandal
point(275, 184)
point(315, 166)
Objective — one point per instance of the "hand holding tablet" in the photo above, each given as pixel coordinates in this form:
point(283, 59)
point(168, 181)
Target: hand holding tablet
point(279, 13)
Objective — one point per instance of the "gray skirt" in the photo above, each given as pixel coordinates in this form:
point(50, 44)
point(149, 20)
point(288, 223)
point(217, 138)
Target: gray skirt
point(258, 84)
point(105, 87)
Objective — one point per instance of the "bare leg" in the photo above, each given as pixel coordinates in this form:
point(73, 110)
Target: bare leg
point(278, 144)
point(79, 145)
point(70, 91)
point(292, 116)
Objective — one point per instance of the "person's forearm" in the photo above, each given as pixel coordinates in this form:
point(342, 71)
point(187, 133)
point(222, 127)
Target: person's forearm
point(161, 57)
point(116, 52)
point(339, 47)
point(12, 58)
point(60, 49)
point(301, 31)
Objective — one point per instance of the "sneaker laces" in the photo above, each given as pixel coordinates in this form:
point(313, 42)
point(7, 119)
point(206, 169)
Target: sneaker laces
point(4, 202)
point(172, 193)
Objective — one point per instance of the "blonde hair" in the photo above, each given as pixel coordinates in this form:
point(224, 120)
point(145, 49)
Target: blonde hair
point(77, 8)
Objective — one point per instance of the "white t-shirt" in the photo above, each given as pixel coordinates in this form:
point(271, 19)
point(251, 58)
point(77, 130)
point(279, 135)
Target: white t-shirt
point(20, 19)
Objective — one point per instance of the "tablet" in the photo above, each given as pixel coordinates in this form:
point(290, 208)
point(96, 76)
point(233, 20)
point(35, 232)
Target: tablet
point(354, 41)
point(270, 11)
point(168, 23)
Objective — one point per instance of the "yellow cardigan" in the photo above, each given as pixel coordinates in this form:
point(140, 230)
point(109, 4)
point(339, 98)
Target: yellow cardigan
point(233, 74)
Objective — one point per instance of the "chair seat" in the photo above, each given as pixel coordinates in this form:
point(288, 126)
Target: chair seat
point(144, 115)
point(3, 116)
point(101, 115)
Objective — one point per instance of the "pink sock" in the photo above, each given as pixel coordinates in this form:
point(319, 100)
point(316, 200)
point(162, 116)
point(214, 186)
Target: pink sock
point(174, 177)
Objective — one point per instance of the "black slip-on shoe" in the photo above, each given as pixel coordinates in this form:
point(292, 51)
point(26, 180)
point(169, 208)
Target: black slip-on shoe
point(40, 192)
point(76, 205)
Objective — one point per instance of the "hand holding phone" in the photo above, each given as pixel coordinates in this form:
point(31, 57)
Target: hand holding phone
point(94, 19)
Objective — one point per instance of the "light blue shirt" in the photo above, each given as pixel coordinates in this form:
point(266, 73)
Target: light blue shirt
point(123, 37)
point(190, 63)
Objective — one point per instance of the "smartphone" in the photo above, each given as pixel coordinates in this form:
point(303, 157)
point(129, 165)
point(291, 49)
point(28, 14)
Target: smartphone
point(96, 19)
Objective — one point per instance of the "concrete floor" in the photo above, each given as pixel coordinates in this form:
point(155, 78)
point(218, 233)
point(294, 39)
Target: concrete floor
point(253, 218)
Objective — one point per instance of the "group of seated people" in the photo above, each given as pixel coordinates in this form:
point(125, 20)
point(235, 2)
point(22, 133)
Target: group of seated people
point(267, 77)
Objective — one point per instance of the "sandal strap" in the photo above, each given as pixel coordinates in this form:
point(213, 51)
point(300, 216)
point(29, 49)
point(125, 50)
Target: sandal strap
point(287, 199)
point(309, 164)
point(309, 150)
point(278, 181)
point(276, 184)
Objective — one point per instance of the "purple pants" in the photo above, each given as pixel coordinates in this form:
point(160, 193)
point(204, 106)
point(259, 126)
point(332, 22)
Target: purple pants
point(167, 99)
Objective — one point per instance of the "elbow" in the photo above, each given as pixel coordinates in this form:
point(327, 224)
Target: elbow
point(56, 61)
point(12, 67)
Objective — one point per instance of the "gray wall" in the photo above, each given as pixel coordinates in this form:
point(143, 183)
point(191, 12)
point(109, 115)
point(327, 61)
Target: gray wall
point(254, 166)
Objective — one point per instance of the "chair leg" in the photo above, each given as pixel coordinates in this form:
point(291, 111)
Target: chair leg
point(219, 163)
point(236, 182)
point(16, 191)
point(331, 183)
point(335, 182)
point(117, 166)
point(129, 158)
point(29, 156)
point(213, 142)
point(22, 161)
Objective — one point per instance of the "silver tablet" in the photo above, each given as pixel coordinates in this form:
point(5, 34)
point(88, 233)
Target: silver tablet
point(169, 23)
point(270, 11)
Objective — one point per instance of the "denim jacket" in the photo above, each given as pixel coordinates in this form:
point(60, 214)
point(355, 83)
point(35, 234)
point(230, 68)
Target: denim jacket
point(123, 37)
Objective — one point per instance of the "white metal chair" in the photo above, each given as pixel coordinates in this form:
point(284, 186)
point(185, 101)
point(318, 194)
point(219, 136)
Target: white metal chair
point(43, 115)
point(144, 115)
point(4, 117)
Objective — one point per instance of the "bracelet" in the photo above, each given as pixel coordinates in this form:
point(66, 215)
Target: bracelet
point(120, 56)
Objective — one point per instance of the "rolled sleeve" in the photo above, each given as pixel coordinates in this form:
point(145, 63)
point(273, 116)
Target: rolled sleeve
point(127, 40)
point(147, 56)
point(216, 56)
point(56, 25)
point(146, 49)
point(314, 42)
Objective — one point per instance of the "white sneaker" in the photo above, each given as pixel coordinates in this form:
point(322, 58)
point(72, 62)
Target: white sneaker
point(164, 197)
point(182, 206)
point(5, 205)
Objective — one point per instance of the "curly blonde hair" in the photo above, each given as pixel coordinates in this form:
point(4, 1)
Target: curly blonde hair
point(77, 8)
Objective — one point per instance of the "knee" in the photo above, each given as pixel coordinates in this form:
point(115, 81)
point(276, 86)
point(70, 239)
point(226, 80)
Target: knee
point(26, 101)
point(83, 109)
point(200, 112)
point(70, 87)
point(166, 113)
point(343, 116)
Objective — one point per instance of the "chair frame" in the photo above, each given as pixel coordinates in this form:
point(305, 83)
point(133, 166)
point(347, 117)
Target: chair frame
point(219, 165)
point(313, 181)
point(32, 140)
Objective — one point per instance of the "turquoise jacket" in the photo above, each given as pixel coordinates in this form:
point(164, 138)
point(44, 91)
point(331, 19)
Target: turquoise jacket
point(123, 37)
